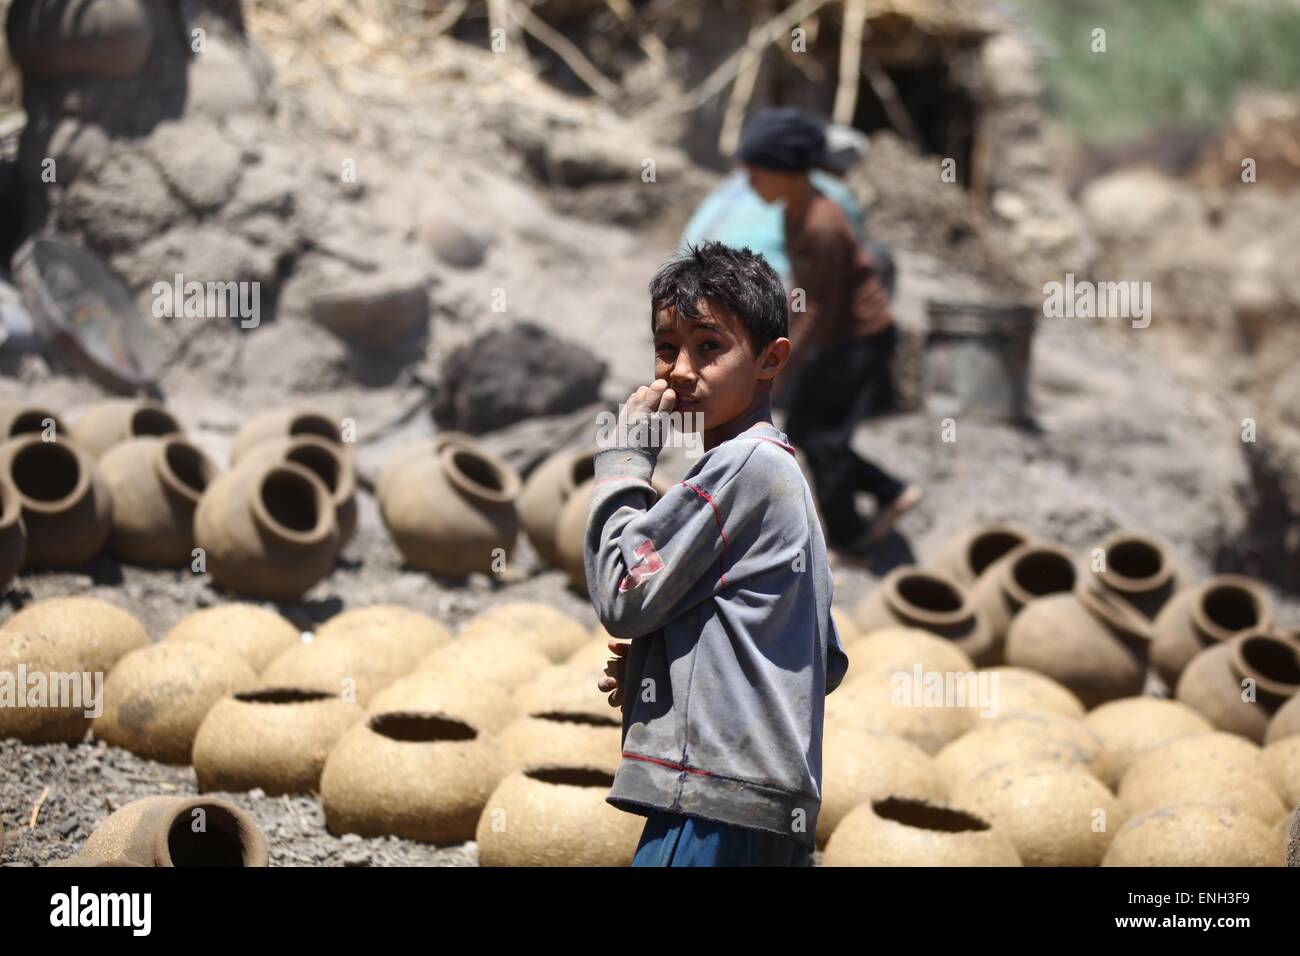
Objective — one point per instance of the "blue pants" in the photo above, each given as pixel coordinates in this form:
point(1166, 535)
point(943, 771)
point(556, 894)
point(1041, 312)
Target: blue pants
point(672, 839)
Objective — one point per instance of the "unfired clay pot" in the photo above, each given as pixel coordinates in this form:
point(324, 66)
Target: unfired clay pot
point(399, 634)
point(1089, 641)
point(1255, 797)
point(904, 832)
point(556, 816)
point(1239, 685)
point(179, 831)
point(412, 451)
point(1020, 690)
point(420, 776)
point(932, 602)
point(28, 716)
point(1199, 617)
point(1286, 722)
point(1282, 758)
point(1133, 726)
point(340, 667)
point(274, 738)
point(1040, 738)
point(18, 419)
point(506, 661)
point(545, 492)
point(67, 507)
point(571, 530)
point(156, 485)
point(966, 556)
point(549, 630)
point(1193, 834)
point(1140, 568)
point(478, 703)
point(13, 533)
point(454, 513)
point(859, 766)
point(327, 460)
point(107, 424)
point(267, 530)
point(1053, 815)
point(874, 702)
point(98, 632)
point(1214, 754)
point(1027, 572)
point(156, 698)
point(254, 634)
point(889, 650)
point(286, 423)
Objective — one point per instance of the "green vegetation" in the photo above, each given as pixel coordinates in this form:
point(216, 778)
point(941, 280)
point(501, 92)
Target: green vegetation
point(1168, 63)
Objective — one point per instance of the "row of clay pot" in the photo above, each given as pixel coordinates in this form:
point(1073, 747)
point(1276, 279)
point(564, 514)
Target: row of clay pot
point(1028, 762)
point(170, 831)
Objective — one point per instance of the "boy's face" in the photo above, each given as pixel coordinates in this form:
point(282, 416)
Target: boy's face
point(711, 364)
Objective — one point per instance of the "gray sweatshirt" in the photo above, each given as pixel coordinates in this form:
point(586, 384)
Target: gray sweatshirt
point(723, 588)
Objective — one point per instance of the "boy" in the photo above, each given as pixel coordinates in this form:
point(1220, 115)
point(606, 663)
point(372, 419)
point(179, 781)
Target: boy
point(721, 585)
point(843, 341)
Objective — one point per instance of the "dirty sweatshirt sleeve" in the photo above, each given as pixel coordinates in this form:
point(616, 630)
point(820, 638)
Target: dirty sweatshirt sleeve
point(649, 563)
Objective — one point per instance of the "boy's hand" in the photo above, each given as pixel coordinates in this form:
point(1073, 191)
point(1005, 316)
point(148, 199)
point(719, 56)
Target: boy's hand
point(615, 669)
point(640, 409)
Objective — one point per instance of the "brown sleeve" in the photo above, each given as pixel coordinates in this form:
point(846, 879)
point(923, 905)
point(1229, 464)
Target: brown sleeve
point(824, 277)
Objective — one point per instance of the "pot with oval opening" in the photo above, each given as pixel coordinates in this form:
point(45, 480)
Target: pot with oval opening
point(1028, 572)
point(267, 530)
point(453, 512)
point(544, 494)
point(113, 421)
point(1239, 684)
point(66, 505)
point(156, 485)
point(286, 423)
point(327, 460)
point(178, 831)
point(912, 597)
point(1140, 568)
point(19, 418)
point(1201, 617)
point(898, 831)
point(967, 555)
point(416, 775)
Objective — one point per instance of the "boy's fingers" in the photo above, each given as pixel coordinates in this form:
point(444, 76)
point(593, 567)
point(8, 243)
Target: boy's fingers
point(668, 401)
point(619, 647)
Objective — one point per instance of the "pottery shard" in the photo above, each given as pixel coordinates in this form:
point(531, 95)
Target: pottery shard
point(376, 310)
point(508, 375)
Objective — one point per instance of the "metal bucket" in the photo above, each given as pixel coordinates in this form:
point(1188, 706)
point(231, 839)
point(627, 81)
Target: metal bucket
point(977, 360)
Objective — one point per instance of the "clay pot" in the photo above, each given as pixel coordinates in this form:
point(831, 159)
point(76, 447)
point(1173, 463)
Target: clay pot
point(415, 775)
point(1282, 758)
point(1216, 754)
point(1200, 617)
point(546, 629)
point(966, 556)
point(397, 462)
point(1193, 835)
point(1019, 690)
point(67, 507)
point(548, 487)
point(890, 705)
point(77, 862)
point(903, 832)
point(556, 816)
point(1141, 569)
point(340, 667)
point(1256, 797)
point(13, 533)
point(1027, 572)
point(1088, 641)
point(453, 513)
point(860, 766)
point(886, 652)
point(478, 703)
point(267, 530)
point(1134, 726)
point(1215, 682)
point(97, 632)
point(398, 634)
point(36, 670)
point(1053, 815)
point(910, 597)
point(376, 311)
point(275, 738)
point(565, 687)
point(286, 423)
point(1285, 723)
point(506, 661)
point(179, 831)
point(17, 419)
point(571, 530)
point(251, 633)
point(564, 738)
point(156, 698)
point(1041, 738)
point(109, 423)
point(327, 461)
point(156, 485)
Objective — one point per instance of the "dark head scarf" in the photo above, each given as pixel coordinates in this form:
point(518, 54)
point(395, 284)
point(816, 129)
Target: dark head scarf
point(784, 138)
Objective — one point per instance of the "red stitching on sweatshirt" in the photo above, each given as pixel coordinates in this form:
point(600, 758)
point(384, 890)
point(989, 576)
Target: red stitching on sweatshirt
point(666, 763)
point(717, 516)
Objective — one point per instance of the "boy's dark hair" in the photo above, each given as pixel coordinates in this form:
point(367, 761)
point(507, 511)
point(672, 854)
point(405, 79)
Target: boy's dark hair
point(737, 280)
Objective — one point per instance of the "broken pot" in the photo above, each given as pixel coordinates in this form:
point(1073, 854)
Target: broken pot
point(178, 831)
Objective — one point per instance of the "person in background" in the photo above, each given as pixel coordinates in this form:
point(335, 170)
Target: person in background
point(842, 336)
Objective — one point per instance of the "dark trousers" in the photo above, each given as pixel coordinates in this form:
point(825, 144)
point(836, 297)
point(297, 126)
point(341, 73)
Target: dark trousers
point(838, 388)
